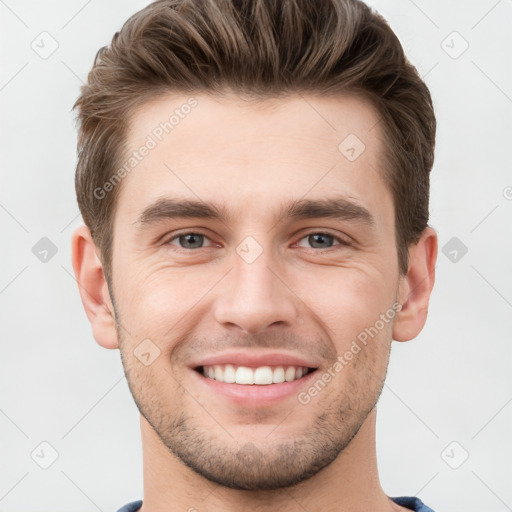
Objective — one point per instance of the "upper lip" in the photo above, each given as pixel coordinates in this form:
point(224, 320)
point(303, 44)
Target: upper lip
point(255, 360)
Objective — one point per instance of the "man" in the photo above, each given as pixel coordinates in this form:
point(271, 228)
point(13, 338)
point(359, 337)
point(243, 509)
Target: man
point(254, 181)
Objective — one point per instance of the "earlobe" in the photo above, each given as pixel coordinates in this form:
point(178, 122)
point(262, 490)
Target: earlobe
point(93, 287)
point(415, 287)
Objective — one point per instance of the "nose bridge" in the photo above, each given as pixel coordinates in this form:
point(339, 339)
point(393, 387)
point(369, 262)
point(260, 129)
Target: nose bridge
point(253, 296)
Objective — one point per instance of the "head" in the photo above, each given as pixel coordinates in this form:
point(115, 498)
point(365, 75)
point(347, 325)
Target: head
point(269, 128)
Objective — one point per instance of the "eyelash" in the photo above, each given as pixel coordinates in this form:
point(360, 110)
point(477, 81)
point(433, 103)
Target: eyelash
point(342, 242)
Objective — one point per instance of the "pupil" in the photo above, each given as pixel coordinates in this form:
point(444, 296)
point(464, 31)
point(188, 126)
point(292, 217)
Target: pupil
point(190, 239)
point(319, 238)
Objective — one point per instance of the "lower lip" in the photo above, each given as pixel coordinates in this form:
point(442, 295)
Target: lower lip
point(254, 394)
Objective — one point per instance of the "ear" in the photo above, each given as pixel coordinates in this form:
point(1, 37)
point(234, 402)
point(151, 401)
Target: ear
point(415, 287)
point(93, 288)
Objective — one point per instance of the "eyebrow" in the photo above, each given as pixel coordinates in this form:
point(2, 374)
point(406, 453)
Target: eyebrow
point(339, 208)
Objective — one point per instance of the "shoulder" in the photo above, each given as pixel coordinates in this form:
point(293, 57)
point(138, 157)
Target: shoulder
point(131, 507)
point(412, 503)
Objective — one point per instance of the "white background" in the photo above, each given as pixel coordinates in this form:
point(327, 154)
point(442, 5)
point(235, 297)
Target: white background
point(452, 383)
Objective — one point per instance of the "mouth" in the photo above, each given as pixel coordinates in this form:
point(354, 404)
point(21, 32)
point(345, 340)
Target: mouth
point(253, 379)
point(254, 387)
point(255, 376)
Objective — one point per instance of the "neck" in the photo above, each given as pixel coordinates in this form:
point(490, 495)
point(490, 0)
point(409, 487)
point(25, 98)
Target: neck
point(350, 482)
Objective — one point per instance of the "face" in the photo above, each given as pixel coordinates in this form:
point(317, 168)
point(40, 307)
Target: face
point(261, 272)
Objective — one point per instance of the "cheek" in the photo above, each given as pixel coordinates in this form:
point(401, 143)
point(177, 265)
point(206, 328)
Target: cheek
point(158, 302)
point(350, 300)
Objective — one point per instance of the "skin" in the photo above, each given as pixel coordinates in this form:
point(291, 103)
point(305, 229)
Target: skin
point(200, 451)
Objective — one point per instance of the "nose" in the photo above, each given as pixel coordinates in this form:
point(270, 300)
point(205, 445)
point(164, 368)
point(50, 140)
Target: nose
point(254, 297)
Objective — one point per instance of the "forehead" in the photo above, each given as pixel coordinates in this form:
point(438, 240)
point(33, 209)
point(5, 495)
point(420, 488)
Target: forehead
point(251, 154)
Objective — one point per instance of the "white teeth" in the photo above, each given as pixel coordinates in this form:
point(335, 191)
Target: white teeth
point(261, 376)
point(290, 374)
point(278, 375)
point(244, 375)
point(229, 374)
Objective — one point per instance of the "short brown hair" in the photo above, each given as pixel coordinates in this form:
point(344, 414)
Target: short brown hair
point(261, 48)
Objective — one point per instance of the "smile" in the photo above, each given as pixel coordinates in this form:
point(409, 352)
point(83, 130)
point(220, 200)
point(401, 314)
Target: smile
point(262, 375)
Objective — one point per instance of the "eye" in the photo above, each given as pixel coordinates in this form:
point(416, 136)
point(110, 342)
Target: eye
point(189, 240)
point(321, 240)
